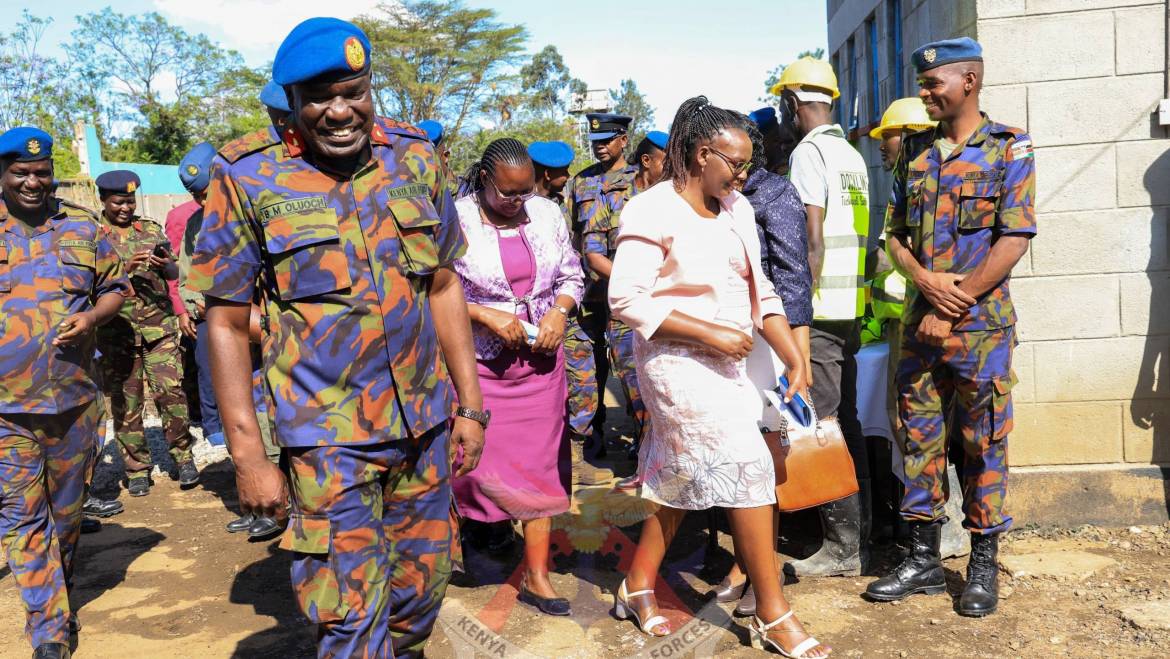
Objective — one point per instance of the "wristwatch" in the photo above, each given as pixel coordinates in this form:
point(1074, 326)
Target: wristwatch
point(475, 415)
point(561, 309)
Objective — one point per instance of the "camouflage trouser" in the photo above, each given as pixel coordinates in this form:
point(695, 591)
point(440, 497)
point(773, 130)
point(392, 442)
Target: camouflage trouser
point(582, 375)
point(126, 372)
point(593, 319)
point(371, 533)
point(967, 382)
point(44, 462)
point(620, 338)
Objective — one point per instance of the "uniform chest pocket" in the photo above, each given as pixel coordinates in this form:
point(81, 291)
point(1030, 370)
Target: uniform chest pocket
point(78, 261)
point(307, 256)
point(977, 203)
point(5, 276)
point(417, 223)
point(915, 201)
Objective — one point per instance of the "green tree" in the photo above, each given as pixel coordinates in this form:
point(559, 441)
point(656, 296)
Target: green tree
point(774, 76)
point(628, 100)
point(437, 59)
point(467, 148)
point(164, 81)
point(546, 81)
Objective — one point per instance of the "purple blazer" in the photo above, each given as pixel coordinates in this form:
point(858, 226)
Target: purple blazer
point(557, 266)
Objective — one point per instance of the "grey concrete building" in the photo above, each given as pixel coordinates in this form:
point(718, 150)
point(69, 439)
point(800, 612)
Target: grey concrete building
point(1086, 78)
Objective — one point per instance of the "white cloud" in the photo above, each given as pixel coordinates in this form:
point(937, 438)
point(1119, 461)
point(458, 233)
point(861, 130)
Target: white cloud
point(255, 27)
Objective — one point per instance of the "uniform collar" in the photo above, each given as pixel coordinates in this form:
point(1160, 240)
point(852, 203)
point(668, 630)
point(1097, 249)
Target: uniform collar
point(8, 222)
point(982, 132)
point(830, 129)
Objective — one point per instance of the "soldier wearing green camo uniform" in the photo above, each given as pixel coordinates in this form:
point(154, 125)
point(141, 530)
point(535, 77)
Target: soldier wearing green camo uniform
point(140, 347)
point(599, 245)
point(608, 139)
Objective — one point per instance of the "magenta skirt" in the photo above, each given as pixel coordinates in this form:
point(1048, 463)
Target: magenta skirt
point(525, 469)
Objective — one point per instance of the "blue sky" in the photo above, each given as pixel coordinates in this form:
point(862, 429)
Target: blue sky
point(673, 49)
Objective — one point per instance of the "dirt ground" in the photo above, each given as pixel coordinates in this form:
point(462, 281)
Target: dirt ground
point(164, 580)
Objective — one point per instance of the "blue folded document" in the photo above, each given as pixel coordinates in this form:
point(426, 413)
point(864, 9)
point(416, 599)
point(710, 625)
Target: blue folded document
point(796, 407)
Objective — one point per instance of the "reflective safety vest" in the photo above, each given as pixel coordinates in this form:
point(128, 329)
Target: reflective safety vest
point(840, 292)
point(888, 295)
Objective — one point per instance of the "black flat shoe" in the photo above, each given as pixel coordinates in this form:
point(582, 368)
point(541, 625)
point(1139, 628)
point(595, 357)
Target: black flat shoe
point(553, 606)
point(242, 524)
point(95, 507)
point(264, 528)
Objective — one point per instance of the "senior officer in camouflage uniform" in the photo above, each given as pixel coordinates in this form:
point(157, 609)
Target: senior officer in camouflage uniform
point(960, 217)
point(59, 280)
point(347, 229)
point(140, 347)
point(610, 176)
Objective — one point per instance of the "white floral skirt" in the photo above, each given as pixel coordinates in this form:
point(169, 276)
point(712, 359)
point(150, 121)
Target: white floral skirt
point(704, 448)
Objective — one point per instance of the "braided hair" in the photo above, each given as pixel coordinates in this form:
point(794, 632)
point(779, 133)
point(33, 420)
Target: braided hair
point(696, 121)
point(759, 158)
point(504, 151)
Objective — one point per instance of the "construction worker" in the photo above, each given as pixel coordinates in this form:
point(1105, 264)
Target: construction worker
point(960, 217)
point(904, 117)
point(833, 182)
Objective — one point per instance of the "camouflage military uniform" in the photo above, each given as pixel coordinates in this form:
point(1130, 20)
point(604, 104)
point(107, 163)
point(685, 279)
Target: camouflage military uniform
point(600, 237)
point(360, 394)
point(48, 413)
point(140, 348)
point(953, 212)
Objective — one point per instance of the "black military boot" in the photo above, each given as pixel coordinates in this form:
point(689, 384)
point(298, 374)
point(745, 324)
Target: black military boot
point(188, 474)
point(139, 485)
point(840, 553)
point(981, 594)
point(95, 507)
point(920, 572)
point(52, 651)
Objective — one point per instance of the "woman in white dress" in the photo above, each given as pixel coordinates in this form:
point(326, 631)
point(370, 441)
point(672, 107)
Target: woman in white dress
point(687, 279)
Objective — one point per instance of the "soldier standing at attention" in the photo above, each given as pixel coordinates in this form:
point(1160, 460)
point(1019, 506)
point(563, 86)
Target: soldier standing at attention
point(960, 217)
point(59, 280)
point(833, 181)
point(551, 161)
point(348, 233)
point(140, 347)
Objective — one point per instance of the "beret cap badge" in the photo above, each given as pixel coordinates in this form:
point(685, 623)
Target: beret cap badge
point(596, 124)
point(355, 54)
point(33, 146)
point(193, 170)
point(131, 187)
point(929, 55)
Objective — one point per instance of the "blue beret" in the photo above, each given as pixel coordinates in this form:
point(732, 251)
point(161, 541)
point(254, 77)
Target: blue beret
point(321, 47)
point(551, 154)
point(658, 138)
point(765, 118)
point(26, 143)
point(193, 168)
point(118, 181)
point(274, 97)
point(937, 53)
point(433, 129)
point(603, 126)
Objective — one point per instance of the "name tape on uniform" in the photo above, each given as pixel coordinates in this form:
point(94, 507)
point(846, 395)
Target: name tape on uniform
point(412, 190)
point(292, 207)
point(84, 244)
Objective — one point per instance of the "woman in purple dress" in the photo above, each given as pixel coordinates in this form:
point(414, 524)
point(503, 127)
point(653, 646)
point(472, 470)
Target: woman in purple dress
point(522, 279)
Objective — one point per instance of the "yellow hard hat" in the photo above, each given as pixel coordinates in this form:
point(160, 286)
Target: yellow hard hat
point(810, 72)
point(904, 114)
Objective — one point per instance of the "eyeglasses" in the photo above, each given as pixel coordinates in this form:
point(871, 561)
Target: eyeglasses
point(736, 168)
point(512, 198)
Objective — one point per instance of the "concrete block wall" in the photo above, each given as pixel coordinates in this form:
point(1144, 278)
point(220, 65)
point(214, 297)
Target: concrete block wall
point(1084, 78)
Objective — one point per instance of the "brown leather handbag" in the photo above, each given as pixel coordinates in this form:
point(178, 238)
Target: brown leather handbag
point(813, 465)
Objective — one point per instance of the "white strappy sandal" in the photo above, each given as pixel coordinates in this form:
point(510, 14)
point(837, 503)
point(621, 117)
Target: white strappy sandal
point(623, 610)
point(760, 640)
